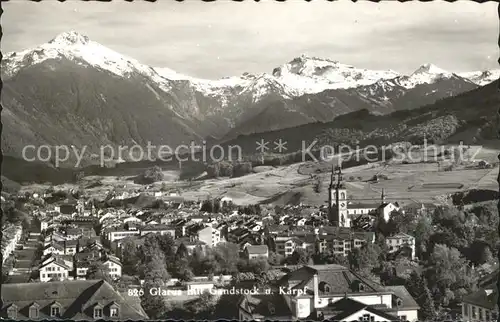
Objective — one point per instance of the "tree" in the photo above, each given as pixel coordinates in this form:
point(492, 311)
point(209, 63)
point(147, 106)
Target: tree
point(166, 244)
point(130, 257)
point(365, 259)
point(97, 271)
point(258, 265)
point(205, 305)
point(423, 231)
point(155, 270)
point(330, 258)
point(227, 256)
point(299, 256)
point(275, 258)
point(151, 175)
point(155, 306)
point(447, 272)
point(207, 206)
point(182, 252)
point(317, 185)
point(417, 287)
point(402, 222)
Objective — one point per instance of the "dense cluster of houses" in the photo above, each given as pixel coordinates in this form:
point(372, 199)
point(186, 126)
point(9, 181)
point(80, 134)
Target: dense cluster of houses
point(11, 235)
point(76, 237)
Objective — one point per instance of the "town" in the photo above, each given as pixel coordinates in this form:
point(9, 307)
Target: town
point(68, 255)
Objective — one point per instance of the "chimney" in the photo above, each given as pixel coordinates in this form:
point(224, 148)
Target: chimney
point(316, 290)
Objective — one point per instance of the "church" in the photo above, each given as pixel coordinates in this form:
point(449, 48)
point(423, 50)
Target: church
point(342, 212)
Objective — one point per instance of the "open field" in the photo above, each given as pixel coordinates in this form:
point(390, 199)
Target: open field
point(405, 183)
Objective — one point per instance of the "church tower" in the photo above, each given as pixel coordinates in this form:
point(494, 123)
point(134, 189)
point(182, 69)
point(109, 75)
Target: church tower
point(337, 200)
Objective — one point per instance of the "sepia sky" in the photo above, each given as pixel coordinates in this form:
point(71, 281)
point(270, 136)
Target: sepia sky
point(223, 38)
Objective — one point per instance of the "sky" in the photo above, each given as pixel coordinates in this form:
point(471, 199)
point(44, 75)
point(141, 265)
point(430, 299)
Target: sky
point(225, 38)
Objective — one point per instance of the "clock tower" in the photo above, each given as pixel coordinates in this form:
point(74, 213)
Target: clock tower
point(337, 200)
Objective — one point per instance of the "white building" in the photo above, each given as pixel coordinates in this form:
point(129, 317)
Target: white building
point(399, 241)
point(55, 268)
point(114, 265)
point(332, 292)
point(118, 234)
point(10, 238)
point(386, 209)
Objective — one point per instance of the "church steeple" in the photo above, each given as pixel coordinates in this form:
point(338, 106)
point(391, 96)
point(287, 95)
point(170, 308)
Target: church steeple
point(338, 199)
point(332, 178)
point(382, 196)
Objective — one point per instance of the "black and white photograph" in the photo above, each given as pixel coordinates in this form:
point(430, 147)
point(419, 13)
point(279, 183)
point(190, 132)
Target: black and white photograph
point(250, 160)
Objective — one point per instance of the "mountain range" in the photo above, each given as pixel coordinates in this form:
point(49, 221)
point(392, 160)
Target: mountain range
point(74, 91)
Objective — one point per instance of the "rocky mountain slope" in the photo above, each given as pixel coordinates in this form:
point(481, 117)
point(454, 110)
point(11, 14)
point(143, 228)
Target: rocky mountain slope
point(470, 118)
point(74, 91)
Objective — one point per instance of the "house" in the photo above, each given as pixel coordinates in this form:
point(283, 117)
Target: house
point(114, 265)
point(256, 251)
point(116, 234)
point(386, 208)
point(354, 209)
point(10, 237)
point(209, 235)
point(70, 247)
point(481, 305)
point(68, 300)
point(401, 241)
point(341, 242)
point(198, 287)
point(56, 248)
point(335, 292)
point(55, 268)
point(190, 244)
point(67, 207)
point(158, 229)
point(82, 262)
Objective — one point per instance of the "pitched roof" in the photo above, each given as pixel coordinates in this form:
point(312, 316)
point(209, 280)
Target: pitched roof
point(485, 297)
point(402, 293)
point(76, 299)
point(265, 306)
point(400, 235)
point(340, 279)
point(363, 205)
point(344, 308)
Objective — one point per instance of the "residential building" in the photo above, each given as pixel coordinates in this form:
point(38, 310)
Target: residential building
point(336, 293)
point(209, 235)
point(55, 268)
point(342, 240)
point(10, 237)
point(481, 305)
point(256, 251)
point(158, 229)
point(200, 286)
point(68, 300)
point(386, 209)
point(56, 248)
point(114, 265)
point(116, 234)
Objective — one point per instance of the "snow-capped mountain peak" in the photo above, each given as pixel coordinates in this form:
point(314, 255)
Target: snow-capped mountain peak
point(70, 38)
point(429, 68)
point(304, 74)
point(308, 75)
point(482, 78)
point(425, 74)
